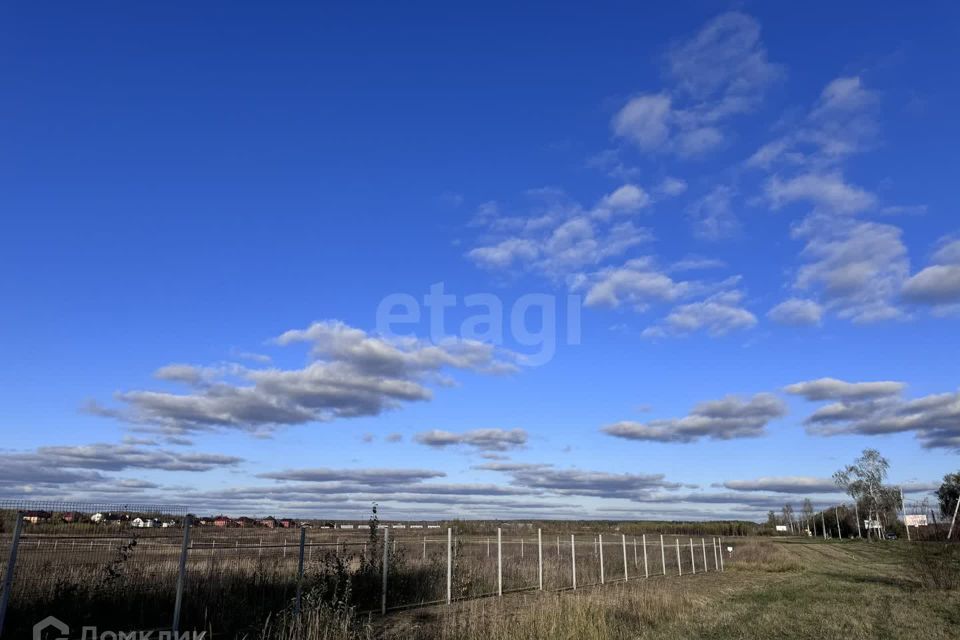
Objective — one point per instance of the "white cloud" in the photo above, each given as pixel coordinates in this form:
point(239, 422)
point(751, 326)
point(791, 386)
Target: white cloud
point(712, 215)
point(636, 283)
point(481, 439)
point(720, 72)
point(670, 186)
point(934, 419)
point(505, 253)
point(797, 312)
point(625, 199)
point(725, 419)
point(828, 191)
point(857, 267)
point(788, 484)
point(833, 389)
point(353, 374)
point(939, 283)
point(725, 59)
point(844, 94)
point(644, 120)
point(718, 315)
point(559, 237)
point(838, 125)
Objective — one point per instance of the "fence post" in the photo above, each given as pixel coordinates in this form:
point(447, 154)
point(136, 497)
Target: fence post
point(646, 571)
point(181, 574)
point(679, 568)
point(521, 546)
point(424, 547)
point(540, 557)
point(636, 562)
point(499, 562)
point(558, 546)
point(716, 562)
point(573, 559)
point(953, 521)
point(386, 562)
point(11, 567)
point(836, 512)
point(626, 577)
point(303, 540)
point(449, 565)
point(823, 521)
point(488, 546)
point(693, 561)
point(703, 543)
point(663, 556)
point(600, 548)
point(720, 544)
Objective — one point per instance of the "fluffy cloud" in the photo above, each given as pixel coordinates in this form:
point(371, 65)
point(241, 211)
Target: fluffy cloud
point(720, 72)
point(718, 315)
point(939, 283)
point(833, 389)
point(797, 312)
point(482, 439)
point(637, 283)
point(725, 419)
point(857, 267)
point(878, 408)
point(839, 124)
point(353, 374)
point(827, 191)
point(559, 237)
point(645, 121)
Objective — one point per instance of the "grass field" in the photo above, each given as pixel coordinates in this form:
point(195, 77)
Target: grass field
point(771, 589)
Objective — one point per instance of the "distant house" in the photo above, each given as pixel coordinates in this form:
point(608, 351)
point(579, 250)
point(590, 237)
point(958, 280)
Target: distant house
point(346, 526)
point(269, 522)
point(286, 523)
point(71, 516)
point(36, 517)
point(145, 523)
point(244, 521)
point(222, 521)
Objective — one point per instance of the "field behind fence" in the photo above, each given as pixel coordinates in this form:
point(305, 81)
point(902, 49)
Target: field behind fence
point(176, 574)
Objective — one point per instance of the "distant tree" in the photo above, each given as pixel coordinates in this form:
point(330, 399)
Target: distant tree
point(772, 520)
point(948, 493)
point(807, 511)
point(788, 515)
point(863, 481)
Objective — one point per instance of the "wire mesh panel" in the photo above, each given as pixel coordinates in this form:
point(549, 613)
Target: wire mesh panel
point(116, 566)
point(108, 565)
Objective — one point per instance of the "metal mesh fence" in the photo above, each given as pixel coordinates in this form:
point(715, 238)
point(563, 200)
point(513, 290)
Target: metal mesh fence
point(118, 566)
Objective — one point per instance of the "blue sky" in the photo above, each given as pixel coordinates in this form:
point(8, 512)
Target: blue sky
point(742, 214)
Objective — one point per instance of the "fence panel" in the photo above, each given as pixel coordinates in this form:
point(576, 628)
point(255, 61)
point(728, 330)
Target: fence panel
point(90, 564)
point(116, 566)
